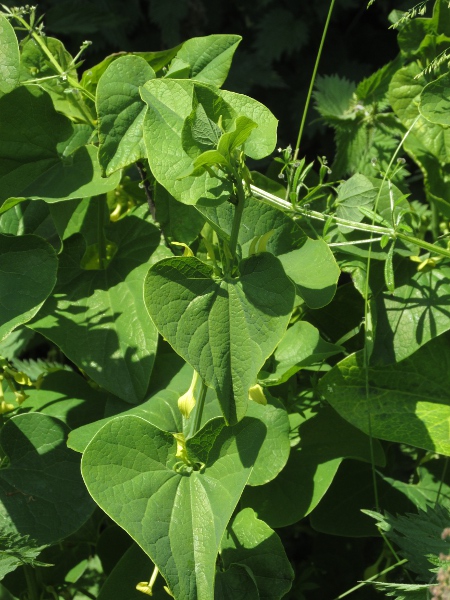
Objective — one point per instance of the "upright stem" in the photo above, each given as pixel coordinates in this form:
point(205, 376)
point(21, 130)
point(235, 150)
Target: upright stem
point(30, 576)
point(101, 238)
point(239, 209)
point(313, 79)
point(198, 410)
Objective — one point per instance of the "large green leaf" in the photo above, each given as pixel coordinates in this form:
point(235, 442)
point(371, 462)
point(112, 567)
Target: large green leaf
point(225, 328)
point(9, 57)
point(178, 518)
point(27, 278)
point(416, 312)
point(434, 103)
point(325, 440)
point(31, 217)
point(121, 112)
point(98, 317)
point(408, 402)
point(33, 501)
point(314, 271)
point(236, 583)
point(170, 103)
point(207, 59)
point(250, 542)
point(44, 169)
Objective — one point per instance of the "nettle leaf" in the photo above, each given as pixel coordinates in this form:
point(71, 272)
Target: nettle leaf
point(17, 550)
point(325, 440)
point(300, 347)
point(44, 170)
point(171, 152)
point(408, 402)
point(102, 324)
point(314, 271)
point(334, 96)
point(121, 112)
point(27, 278)
point(33, 501)
point(225, 328)
point(434, 104)
point(413, 314)
point(177, 518)
point(9, 57)
point(250, 542)
point(207, 59)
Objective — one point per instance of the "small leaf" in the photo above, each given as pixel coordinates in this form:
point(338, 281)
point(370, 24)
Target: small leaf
point(238, 136)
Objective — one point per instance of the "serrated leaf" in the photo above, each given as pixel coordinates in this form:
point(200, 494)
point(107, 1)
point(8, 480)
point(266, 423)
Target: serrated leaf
point(333, 96)
point(408, 401)
point(9, 57)
point(177, 518)
point(27, 278)
point(121, 112)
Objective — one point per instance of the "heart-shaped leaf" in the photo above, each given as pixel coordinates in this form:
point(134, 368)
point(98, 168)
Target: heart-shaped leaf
point(121, 112)
point(225, 328)
point(44, 169)
point(33, 501)
point(178, 518)
point(102, 324)
point(27, 278)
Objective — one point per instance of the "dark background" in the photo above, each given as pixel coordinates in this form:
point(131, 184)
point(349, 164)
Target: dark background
point(275, 60)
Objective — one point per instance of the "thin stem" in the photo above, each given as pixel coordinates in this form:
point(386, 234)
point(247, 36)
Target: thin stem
point(313, 79)
point(32, 586)
point(239, 209)
point(198, 410)
point(101, 238)
point(148, 194)
point(373, 578)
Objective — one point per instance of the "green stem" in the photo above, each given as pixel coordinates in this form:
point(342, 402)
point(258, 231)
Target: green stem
point(313, 79)
point(280, 204)
point(32, 586)
point(434, 220)
point(198, 410)
point(101, 237)
point(239, 209)
point(373, 578)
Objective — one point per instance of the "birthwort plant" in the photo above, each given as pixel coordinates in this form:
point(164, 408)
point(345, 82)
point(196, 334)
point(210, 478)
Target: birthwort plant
point(191, 306)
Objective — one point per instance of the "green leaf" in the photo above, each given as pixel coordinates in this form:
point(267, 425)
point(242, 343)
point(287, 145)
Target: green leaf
point(43, 169)
point(333, 96)
point(133, 567)
point(31, 217)
point(121, 113)
point(170, 103)
point(9, 57)
point(177, 518)
point(353, 193)
point(416, 312)
point(314, 271)
point(35, 64)
point(210, 158)
point(33, 499)
point(102, 324)
point(325, 440)
point(208, 58)
point(434, 104)
point(250, 542)
point(408, 402)
point(225, 328)
point(231, 140)
point(27, 278)
point(236, 583)
point(180, 222)
point(199, 133)
point(16, 551)
point(300, 347)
